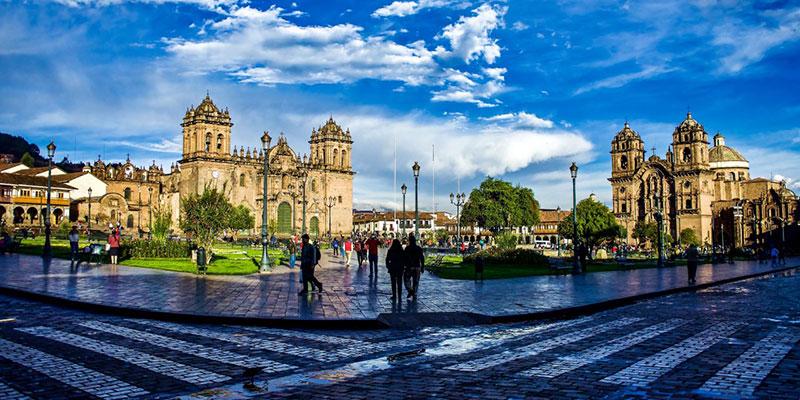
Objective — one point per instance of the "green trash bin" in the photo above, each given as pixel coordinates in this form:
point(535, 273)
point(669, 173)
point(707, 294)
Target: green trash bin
point(201, 260)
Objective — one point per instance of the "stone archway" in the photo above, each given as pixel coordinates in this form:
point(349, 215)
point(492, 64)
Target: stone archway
point(19, 215)
point(58, 214)
point(33, 213)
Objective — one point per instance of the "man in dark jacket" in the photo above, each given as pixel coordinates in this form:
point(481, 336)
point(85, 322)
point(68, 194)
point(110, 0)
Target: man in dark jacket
point(308, 259)
point(691, 262)
point(415, 262)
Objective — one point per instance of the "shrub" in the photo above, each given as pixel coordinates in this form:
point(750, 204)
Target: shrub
point(496, 255)
point(506, 241)
point(154, 249)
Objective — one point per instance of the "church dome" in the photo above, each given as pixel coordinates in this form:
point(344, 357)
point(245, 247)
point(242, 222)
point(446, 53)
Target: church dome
point(722, 156)
point(207, 112)
point(626, 134)
point(689, 124)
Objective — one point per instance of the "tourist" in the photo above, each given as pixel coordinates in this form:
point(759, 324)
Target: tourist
point(782, 256)
point(347, 248)
point(335, 246)
point(372, 245)
point(691, 260)
point(357, 250)
point(308, 259)
point(774, 255)
point(583, 251)
point(341, 247)
point(113, 246)
point(415, 262)
point(292, 253)
point(395, 264)
point(74, 236)
point(363, 251)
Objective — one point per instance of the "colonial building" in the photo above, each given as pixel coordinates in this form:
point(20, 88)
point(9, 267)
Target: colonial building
point(324, 178)
point(697, 187)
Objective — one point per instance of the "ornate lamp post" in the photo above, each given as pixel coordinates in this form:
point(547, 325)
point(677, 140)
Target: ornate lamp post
point(293, 195)
point(713, 250)
point(403, 189)
point(150, 210)
point(89, 228)
point(264, 239)
point(373, 220)
point(329, 202)
point(303, 179)
point(576, 268)
point(415, 168)
point(660, 219)
point(139, 213)
point(51, 151)
point(458, 200)
point(558, 233)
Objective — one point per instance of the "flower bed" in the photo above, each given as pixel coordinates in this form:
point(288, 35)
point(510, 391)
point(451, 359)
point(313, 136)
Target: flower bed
point(497, 256)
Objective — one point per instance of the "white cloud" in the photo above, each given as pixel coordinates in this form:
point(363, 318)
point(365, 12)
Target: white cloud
point(406, 8)
point(623, 79)
point(521, 119)
point(469, 36)
point(748, 44)
point(540, 35)
point(519, 26)
point(263, 48)
point(174, 145)
point(215, 5)
point(544, 92)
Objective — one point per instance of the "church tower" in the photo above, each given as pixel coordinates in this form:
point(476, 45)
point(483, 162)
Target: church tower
point(690, 144)
point(627, 152)
point(330, 147)
point(206, 131)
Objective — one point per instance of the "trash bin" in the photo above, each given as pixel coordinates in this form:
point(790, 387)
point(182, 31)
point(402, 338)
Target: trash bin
point(201, 260)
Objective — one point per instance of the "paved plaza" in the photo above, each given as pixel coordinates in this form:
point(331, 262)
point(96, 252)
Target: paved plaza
point(738, 340)
point(350, 294)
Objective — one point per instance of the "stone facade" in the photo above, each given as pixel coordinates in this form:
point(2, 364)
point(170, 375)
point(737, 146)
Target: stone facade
point(208, 161)
point(697, 187)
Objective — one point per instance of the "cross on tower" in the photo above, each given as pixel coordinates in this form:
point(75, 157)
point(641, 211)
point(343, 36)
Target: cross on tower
point(653, 149)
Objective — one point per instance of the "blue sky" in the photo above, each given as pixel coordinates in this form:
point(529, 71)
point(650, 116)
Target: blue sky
point(514, 89)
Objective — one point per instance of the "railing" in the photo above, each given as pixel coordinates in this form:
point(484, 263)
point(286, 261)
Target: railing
point(40, 201)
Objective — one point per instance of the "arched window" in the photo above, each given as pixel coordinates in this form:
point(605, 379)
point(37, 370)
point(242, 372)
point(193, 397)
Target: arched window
point(313, 185)
point(324, 157)
point(732, 176)
point(208, 141)
point(623, 162)
point(688, 204)
point(344, 158)
point(219, 142)
point(687, 155)
point(285, 182)
point(335, 154)
point(241, 180)
point(284, 218)
point(127, 193)
point(624, 208)
point(130, 221)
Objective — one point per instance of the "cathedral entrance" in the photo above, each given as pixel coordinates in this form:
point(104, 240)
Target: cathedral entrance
point(284, 218)
point(314, 226)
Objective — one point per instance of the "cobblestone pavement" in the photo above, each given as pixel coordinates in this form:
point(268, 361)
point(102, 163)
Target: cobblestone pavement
point(350, 293)
point(739, 340)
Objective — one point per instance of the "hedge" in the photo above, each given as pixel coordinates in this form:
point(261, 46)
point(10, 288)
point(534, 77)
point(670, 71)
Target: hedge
point(155, 249)
point(495, 255)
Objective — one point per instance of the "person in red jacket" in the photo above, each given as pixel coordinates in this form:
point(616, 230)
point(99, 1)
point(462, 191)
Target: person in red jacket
point(372, 246)
point(113, 246)
point(348, 247)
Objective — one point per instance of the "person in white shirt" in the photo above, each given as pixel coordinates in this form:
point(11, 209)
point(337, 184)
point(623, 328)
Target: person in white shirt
point(74, 236)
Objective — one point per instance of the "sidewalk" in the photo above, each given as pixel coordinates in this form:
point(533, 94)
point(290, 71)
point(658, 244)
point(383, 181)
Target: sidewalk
point(352, 299)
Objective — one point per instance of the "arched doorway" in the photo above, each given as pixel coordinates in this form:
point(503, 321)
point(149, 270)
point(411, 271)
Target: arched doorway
point(19, 215)
point(284, 218)
point(32, 214)
point(314, 226)
point(58, 214)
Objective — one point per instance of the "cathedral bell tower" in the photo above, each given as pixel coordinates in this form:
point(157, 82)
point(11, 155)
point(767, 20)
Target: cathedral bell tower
point(690, 145)
point(331, 146)
point(627, 152)
point(206, 131)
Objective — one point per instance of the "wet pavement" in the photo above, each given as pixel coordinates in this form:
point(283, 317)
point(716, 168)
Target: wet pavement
point(350, 293)
point(738, 340)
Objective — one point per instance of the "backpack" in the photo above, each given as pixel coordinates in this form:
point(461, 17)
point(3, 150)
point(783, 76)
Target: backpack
point(318, 253)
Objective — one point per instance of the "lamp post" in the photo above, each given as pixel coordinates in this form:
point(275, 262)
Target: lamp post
point(373, 220)
point(713, 250)
point(329, 202)
point(722, 238)
point(558, 233)
point(139, 213)
point(415, 168)
point(293, 195)
point(51, 151)
point(303, 180)
point(150, 210)
point(576, 268)
point(89, 228)
point(264, 239)
point(660, 220)
point(403, 189)
point(458, 200)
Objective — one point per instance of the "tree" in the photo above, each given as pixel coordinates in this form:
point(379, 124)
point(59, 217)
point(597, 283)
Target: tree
point(497, 204)
point(27, 160)
point(645, 231)
point(205, 216)
point(240, 219)
point(162, 223)
point(596, 224)
point(688, 237)
point(272, 228)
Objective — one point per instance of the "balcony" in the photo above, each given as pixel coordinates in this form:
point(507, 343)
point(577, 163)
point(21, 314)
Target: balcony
point(40, 200)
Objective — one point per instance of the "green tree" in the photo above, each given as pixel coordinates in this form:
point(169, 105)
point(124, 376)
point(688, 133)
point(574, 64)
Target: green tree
point(506, 241)
point(497, 204)
point(441, 234)
point(27, 160)
point(162, 222)
point(646, 232)
point(240, 219)
point(688, 236)
point(205, 216)
point(596, 224)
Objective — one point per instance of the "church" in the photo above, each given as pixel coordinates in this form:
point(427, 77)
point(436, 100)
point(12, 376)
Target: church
point(707, 189)
point(324, 175)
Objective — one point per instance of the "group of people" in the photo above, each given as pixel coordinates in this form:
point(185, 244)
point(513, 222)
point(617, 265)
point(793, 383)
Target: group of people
point(112, 244)
point(405, 265)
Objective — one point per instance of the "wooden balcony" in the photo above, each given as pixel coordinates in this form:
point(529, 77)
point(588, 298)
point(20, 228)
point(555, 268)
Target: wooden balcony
point(40, 201)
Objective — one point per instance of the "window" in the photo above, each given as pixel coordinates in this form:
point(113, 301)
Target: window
point(208, 141)
point(219, 142)
point(241, 180)
point(344, 156)
point(127, 193)
point(313, 185)
point(688, 204)
point(732, 176)
point(624, 208)
point(113, 215)
point(130, 221)
point(623, 162)
point(687, 155)
point(335, 154)
point(340, 199)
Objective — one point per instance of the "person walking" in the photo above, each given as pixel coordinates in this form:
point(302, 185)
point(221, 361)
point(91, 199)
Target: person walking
point(372, 245)
point(308, 259)
point(335, 246)
point(292, 253)
point(357, 250)
point(341, 248)
point(414, 264)
point(363, 251)
point(774, 253)
point(113, 246)
point(583, 251)
point(395, 264)
point(347, 248)
point(691, 262)
point(74, 236)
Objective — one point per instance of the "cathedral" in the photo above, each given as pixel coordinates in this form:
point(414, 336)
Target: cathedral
point(707, 189)
point(324, 177)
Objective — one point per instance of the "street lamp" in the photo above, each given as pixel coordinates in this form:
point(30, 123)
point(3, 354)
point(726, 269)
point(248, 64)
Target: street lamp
point(558, 233)
point(264, 240)
point(303, 180)
point(660, 219)
point(576, 268)
point(373, 220)
point(329, 202)
point(403, 189)
point(139, 212)
point(458, 200)
point(89, 228)
point(415, 167)
point(51, 151)
point(293, 195)
point(150, 210)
